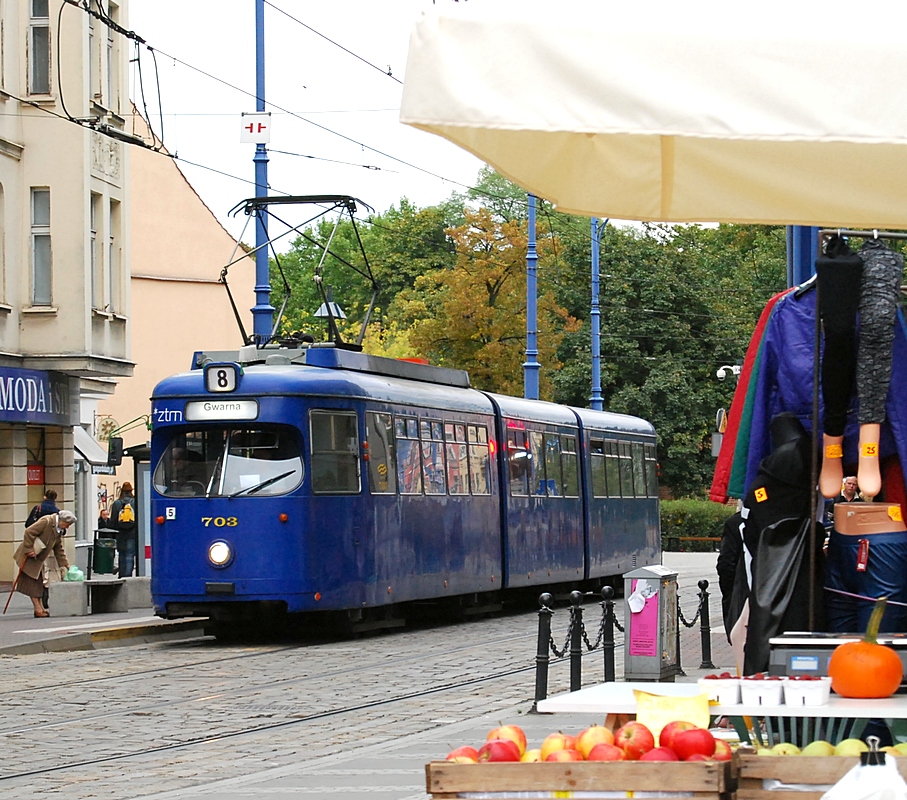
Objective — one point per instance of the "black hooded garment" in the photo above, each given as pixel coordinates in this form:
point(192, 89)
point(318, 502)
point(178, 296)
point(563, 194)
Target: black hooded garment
point(777, 532)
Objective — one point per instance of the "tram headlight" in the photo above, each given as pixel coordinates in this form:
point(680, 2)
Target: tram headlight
point(220, 554)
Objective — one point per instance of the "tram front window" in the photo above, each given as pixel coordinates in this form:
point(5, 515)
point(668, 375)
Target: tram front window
point(237, 462)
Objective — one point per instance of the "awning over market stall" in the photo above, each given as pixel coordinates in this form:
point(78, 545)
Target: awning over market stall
point(778, 112)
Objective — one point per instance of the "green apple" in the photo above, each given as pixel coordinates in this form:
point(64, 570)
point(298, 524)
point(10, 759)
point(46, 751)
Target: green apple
point(785, 749)
point(818, 748)
point(851, 747)
point(901, 747)
point(764, 751)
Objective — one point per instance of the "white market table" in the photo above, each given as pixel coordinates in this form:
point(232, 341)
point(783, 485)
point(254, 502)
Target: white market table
point(834, 720)
point(618, 698)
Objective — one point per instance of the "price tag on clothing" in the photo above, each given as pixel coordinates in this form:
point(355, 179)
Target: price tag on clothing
point(862, 555)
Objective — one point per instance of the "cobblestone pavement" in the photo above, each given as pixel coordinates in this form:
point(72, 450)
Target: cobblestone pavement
point(200, 719)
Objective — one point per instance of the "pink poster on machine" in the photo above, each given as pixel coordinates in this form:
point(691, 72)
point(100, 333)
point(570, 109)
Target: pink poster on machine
point(643, 602)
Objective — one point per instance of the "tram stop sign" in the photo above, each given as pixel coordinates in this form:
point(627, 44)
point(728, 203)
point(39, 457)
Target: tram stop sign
point(650, 622)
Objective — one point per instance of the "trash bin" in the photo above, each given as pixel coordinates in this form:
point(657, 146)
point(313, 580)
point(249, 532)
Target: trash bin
point(104, 551)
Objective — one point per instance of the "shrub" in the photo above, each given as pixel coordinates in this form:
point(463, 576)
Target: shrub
point(692, 518)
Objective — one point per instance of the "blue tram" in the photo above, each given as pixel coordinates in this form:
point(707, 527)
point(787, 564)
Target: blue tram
point(323, 479)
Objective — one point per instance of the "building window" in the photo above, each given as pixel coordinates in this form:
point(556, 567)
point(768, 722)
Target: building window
point(113, 258)
point(97, 282)
point(113, 83)
point(39, 48)
point(42, 267)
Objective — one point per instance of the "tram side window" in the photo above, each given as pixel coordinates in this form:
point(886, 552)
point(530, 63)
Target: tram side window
point(569, 466)
point(599, 481)
point(335, 452)
point(626, 469)
point(433, 457)
point(537, 463)
point(639, 470)
point(457, 458)
point(553, 480)
point(479, 460)
point(518, 457)
point(382, 469)
point(612, 469)
point(409, 459)
point(651, 471)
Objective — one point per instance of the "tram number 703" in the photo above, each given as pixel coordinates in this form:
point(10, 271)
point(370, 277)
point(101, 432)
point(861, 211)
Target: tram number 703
point(220, 522)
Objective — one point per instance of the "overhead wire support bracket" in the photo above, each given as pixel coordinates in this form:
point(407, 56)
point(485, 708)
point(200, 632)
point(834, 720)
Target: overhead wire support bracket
point(255, 207)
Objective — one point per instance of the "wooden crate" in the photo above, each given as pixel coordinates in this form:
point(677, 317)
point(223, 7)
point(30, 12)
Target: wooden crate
point(821, 771)
point(706, 780)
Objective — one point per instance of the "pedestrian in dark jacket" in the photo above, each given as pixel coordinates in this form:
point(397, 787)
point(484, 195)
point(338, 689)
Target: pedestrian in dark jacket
point(123, 518)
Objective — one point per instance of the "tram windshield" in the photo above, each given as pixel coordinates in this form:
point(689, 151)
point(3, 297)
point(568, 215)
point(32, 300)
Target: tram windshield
point(230, 461)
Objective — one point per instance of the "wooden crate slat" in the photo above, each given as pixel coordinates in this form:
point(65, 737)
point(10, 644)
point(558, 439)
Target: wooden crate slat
point(708, 777)
point(796, 769)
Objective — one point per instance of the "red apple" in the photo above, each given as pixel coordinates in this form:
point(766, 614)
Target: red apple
point(660, 754)
point(512, 732)
point(557, 741)
point(606, 752)
point(695, 740)
point(499, 750)
point(634, 739)
point(565, 755)
point(669, 731)
point(699, 757)
point(463, 755)
point(590, 737)
point(723, 750)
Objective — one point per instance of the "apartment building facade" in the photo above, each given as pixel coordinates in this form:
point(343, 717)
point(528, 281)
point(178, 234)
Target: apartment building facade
point(64, 251)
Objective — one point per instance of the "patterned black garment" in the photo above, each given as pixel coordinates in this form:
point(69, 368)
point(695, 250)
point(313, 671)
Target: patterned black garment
point(879, 290)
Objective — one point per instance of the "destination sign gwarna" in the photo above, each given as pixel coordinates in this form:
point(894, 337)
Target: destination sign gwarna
point(206, 411)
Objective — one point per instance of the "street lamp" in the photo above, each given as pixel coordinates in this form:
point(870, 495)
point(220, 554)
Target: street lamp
point(596, 400)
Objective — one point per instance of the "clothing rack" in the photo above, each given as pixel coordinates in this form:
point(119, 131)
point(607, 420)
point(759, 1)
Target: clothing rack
point(826, 233)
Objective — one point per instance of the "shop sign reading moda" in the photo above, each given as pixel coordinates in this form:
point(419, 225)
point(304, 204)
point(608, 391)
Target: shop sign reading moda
point(34, 396)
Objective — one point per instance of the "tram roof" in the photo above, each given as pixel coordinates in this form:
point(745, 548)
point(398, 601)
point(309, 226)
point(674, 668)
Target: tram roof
point(542, 411)
point(289, 380)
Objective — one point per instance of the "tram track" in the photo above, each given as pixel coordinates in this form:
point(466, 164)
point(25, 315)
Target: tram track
point(249, 731)
point(232, 695)
point(384, 677)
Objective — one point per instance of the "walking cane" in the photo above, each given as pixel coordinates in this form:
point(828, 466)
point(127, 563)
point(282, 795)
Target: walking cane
point(15, 584)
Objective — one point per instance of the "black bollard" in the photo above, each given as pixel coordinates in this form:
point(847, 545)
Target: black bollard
point(705, 630)
point(576, 641)
point(608, 632)
point(677, 624)
point(541, 653)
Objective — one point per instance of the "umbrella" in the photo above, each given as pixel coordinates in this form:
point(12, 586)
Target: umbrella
point(775, 113)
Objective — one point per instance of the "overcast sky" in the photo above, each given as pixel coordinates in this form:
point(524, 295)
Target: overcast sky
point(325, 94)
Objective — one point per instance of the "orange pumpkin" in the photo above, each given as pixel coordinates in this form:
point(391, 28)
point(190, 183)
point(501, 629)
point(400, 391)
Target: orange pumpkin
point(866, 668)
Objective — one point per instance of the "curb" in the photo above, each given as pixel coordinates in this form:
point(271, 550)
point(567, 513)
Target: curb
point(112, 637)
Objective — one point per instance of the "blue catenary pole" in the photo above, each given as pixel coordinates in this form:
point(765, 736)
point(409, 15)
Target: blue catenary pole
point(531, 365)
point(802, 250)
point(263, 312)
point(596, 399)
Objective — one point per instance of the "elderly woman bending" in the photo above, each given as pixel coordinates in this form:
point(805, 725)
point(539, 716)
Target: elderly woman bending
point(41, 539)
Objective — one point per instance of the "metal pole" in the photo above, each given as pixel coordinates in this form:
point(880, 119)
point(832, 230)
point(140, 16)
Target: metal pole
point(608, 633)
point(263, 311)
point(679, 623)
point(541, 651)
point(576, 641)
point(596, 399)
point(705, 628)
point(531, 366)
